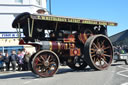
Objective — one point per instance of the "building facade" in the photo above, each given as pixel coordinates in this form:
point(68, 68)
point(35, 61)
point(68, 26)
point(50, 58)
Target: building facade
point(9, 9)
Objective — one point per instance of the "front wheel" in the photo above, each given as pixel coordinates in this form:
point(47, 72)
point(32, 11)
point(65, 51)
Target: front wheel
point(98, 52)
point(45, 63)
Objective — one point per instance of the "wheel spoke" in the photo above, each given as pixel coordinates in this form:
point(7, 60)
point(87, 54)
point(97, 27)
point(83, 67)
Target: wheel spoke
point(100, 62)
point(98, 43)
point(106, 47)
point(43, 70)
point(39, 64)
point(48, 58)
point(104, 58)
point(51, 63)
point(106, 55)
point(38, 59)
point(93, 52)
point(104, 61)
point(102, 46)
point(102, 42)
point(97, 60)
point(95, 45)
point(38, 69)
point(105, 51)
point(42, 58)
point(94, 59)
point(93, 55)
point(46, 72)
point(93, 49)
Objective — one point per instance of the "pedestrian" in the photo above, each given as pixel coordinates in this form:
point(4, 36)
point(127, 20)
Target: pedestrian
point(20, 60)
point(1, 62)
point(7, 62)
point(23, 51)
point(26, 61)
point(13, 59)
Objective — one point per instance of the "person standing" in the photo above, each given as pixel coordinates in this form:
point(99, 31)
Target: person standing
point(20, 60)
point(7, 62)
point(13, 59)
point(26, 61)
point(1, 62)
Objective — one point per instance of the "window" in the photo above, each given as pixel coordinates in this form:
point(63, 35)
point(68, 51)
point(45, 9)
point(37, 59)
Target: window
point(39, 2)
point(19, 1)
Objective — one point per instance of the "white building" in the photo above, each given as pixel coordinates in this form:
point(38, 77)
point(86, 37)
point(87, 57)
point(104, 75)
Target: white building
point(9, 9)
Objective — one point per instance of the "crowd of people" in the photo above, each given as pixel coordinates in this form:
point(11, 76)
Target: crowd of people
point(121, 49)
point(20, 59)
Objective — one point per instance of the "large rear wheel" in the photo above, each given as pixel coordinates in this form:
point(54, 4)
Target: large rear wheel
point(98, 52)
point(45, 63)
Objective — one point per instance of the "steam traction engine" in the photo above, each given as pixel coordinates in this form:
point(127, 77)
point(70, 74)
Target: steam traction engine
point(64, 40)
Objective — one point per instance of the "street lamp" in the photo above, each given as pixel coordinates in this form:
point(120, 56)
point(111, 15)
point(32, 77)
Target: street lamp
point(50, 7)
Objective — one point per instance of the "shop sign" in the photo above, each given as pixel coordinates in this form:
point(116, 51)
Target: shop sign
point(10, 35)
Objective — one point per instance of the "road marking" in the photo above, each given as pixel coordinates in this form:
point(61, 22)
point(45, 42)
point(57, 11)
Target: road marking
point(125, 83)
point(27, 82)
point(13, 73)
point(36, 79)
point(111, 77)
point(122, 67)
point(121, 72)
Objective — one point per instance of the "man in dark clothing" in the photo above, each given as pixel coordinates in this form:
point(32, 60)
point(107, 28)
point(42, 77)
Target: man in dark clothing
point(13, 59)
point(26, 61)
point(1, 62)
point(7, 62)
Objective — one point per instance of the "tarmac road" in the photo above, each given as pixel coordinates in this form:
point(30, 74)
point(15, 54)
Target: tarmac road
point(117, 74)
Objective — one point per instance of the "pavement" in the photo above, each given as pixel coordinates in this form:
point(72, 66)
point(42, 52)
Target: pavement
point(116, 74)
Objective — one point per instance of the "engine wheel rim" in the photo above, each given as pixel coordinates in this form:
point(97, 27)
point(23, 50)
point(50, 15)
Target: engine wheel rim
point(45, 64)
point(101, 53)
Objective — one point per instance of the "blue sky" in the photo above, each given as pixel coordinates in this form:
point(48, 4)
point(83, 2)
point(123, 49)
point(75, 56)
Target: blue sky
point(108, 10)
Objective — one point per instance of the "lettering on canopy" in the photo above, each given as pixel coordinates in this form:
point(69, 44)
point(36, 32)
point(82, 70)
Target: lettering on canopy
point(72, 20)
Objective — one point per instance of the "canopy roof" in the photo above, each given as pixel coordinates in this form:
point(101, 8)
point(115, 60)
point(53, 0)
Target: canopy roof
point(24, 16)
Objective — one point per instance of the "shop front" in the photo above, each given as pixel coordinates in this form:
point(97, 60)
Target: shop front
point(9, 41)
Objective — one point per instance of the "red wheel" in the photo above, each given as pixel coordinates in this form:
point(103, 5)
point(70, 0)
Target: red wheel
point(98, 52)
point(45, 63)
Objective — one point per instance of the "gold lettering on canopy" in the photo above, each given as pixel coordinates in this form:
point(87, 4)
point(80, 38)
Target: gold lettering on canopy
point(71, 20)
point(103, 23)
point(89, 22)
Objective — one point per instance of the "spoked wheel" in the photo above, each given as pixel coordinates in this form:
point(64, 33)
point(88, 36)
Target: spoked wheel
point(45, 63)
point(98, 52)
point(77, 63)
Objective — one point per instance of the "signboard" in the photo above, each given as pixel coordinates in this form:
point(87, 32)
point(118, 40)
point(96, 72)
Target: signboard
point(10, 35)
point(72, 20)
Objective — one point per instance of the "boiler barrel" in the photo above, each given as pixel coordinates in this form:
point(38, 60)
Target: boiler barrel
point(54, 45)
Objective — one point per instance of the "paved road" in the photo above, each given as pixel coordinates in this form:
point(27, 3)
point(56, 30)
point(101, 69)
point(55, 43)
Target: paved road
point(117, 74)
